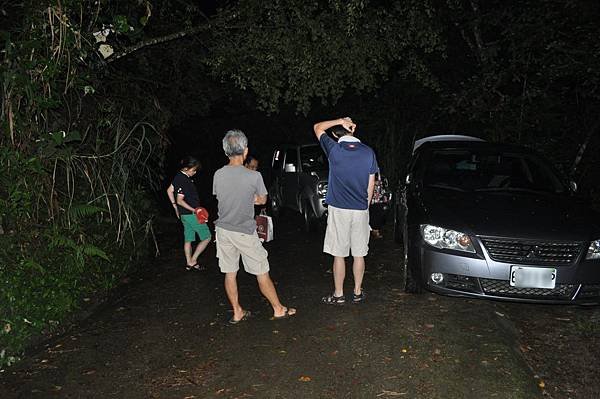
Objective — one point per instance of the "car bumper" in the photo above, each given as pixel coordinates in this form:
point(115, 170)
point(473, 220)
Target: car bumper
point(482, 277)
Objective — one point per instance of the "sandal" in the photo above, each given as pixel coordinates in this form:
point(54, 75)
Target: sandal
point(195, 267)
point(358, 298)
point(331, 299)
point(245, 317)
point(289, 312)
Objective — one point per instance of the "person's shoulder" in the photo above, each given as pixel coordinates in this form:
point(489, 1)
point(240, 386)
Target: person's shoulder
point(220, 170)
point(178, 178)
point(367, 148)
point(326, 140)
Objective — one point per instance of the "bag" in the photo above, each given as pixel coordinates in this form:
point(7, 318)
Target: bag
point(264, 227)
point(201, 215)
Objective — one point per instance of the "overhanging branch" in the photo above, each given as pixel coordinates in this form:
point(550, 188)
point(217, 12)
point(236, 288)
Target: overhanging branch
point(154, 42)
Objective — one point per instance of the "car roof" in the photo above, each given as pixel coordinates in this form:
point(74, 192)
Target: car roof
point(444, 137)
point(288, 146)
point(474, 145)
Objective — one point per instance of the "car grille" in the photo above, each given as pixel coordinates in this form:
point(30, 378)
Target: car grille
point(503, 288)
point(532, 252)
point(589, 291)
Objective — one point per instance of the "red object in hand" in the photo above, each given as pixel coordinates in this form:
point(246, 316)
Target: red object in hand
point(201, 215)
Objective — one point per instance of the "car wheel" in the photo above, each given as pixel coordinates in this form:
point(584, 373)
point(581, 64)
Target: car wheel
point(397, 225)
point(412, 277)
point(310, 219)
point(275, 206)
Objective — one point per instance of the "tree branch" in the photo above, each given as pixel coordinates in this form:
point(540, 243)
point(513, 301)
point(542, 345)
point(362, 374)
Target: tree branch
point(154, 42)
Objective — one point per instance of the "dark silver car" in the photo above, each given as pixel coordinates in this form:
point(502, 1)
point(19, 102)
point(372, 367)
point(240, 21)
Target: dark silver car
point(496, 221)
point(299, 182)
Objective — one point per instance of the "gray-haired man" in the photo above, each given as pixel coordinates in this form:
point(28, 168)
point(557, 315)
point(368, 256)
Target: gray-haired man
point(238, 189)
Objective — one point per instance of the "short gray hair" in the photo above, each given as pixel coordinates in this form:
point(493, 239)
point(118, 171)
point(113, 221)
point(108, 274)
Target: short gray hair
point(234, 143)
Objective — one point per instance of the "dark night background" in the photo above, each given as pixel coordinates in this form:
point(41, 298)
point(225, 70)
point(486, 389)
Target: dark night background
point(101, 99)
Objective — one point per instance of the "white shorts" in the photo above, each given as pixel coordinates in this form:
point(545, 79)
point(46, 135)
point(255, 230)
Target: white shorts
point(347, 232)
point(231, 244)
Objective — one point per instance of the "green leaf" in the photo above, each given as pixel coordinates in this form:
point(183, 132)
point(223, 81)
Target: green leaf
point(120, 23)
point(94, 251)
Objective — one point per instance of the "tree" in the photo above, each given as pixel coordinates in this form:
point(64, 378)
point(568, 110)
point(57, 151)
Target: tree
point(298, 52)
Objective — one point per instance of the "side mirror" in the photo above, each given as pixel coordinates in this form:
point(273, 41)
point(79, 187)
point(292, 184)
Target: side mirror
point(408, 179)
point(290, 167)
point(573, 186)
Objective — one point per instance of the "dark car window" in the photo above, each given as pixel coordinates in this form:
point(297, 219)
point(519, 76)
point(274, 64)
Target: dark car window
point(313, 158)
point(278, 160)
point(471, 170)
point(291, 160)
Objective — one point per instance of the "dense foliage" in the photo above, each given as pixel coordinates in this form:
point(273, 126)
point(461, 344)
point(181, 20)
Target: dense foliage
point(75, 159)
point(523, 72)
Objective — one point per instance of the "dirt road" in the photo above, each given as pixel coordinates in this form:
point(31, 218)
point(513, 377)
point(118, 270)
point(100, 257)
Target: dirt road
point(166, 336)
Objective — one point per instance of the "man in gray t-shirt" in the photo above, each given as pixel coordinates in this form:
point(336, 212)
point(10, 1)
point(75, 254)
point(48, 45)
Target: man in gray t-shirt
point(238, 189)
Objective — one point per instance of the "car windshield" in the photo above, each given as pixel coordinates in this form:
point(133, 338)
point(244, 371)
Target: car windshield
point(483, 171)
point(313, 158)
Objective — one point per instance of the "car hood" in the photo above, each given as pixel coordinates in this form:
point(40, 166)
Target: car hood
point(512, 214)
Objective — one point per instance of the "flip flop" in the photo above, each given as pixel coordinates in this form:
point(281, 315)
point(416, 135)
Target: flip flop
point(286, 315)
point(195, 267)
point(245, 317)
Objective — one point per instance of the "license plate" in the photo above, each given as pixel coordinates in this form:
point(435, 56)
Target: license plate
point(532, 277)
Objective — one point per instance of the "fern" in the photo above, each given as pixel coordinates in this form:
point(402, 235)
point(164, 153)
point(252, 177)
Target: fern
point(94, 251)
point(62, 241)
point(79, 211)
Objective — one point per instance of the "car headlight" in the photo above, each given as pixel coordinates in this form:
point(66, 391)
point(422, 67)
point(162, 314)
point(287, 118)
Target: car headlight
point(593, 251)
point(322, 189)
point(442, 238)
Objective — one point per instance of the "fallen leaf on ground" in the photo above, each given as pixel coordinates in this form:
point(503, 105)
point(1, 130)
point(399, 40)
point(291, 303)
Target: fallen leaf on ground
point(304, 378)
point(541, 384)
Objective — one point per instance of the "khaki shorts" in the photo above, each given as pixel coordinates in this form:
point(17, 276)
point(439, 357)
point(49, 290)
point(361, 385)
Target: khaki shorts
point(347, 232)
point(231, 244)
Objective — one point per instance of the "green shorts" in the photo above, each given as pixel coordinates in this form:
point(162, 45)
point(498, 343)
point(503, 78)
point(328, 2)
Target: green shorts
point(191, 227)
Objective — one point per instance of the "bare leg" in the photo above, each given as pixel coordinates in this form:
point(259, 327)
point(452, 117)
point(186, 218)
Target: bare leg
point(231, 289)
point(268, 290)
point(187, 249)
point(199, 249)
point(358, 268)
point(339, 274)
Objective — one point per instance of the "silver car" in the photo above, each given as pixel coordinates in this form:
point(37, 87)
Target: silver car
point(496, 221)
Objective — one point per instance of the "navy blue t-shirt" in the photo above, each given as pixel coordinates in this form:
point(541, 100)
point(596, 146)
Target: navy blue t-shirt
point(184, 185)
point(350, 164)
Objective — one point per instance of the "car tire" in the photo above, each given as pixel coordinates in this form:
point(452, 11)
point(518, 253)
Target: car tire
point(310, 219)
point(275, 206)
point(398, 225)
point(412, 277)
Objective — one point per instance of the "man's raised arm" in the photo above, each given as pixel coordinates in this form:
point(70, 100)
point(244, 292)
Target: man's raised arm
point(321, 127)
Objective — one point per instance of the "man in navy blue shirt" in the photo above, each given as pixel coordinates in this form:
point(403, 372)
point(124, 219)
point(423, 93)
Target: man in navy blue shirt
point(352, 169)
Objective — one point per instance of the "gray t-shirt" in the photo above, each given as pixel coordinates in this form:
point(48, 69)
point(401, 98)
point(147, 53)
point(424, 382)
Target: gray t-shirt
point(235, 188)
